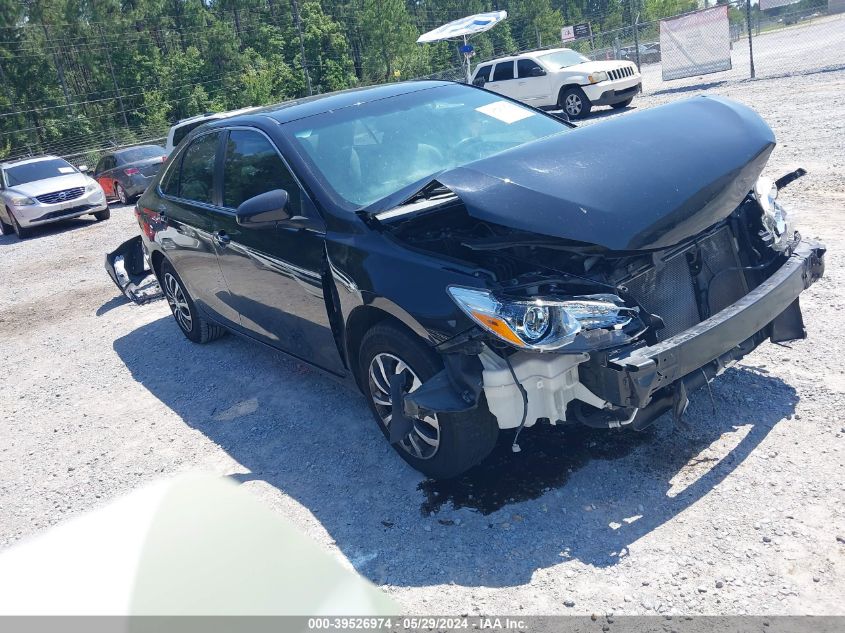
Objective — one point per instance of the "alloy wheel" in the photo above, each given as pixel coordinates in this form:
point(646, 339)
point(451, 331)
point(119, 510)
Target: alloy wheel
point(423, 440)
point(178, 303)
point(573, 104)
point(121, 195)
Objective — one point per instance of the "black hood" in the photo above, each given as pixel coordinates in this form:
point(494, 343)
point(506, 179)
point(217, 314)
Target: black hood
point(645, 180)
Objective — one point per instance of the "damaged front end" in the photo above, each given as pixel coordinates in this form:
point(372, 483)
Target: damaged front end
point(603, 307)
point(130, 271)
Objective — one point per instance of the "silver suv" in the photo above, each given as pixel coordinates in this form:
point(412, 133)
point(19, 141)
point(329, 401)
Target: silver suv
point(37, 191)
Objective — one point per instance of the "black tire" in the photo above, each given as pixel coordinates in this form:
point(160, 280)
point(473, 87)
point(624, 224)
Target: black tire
point(195, 327)
point(20, 231)
point(574, 102)
point(463, 440)
point(120, 192)
point(5, 227)
point(102, 215)
point(622, 104)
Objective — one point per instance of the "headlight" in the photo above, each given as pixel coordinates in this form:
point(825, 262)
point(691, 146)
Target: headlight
point(774, 215)
point(597, 77)
point(92, 186)
point(541, 324)
point(22, 201)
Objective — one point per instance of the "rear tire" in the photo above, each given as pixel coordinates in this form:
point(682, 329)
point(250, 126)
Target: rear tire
point(102, 215)
point(193, 325)
point(120, 192)
point(463, 439)
point(20, 231)
point(574, 102)
point(622, 104)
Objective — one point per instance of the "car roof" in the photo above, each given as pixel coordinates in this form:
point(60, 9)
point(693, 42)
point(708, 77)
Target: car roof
point(25, 161)
point(528, 54)
point(212, 116)
point(328, 102)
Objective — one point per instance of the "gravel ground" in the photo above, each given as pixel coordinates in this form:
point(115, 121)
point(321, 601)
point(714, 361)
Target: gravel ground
point(740, 512)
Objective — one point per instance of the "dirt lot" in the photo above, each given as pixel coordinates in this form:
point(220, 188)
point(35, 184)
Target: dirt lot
point(740, 513)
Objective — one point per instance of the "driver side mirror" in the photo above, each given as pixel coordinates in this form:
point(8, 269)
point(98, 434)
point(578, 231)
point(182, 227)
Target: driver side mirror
point(538, 72)
point(479, 81)
point(265, 209)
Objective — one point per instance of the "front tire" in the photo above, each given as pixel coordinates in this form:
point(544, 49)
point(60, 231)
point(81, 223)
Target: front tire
point(5, 227)
point(622, 104)
point(102, 215)
point(20, 231)
point(574, 102)
point(193, 325)
point(440, 446)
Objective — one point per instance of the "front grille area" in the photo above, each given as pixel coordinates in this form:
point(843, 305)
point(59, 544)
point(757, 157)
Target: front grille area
point(61, 196)
point(668, 290)
point(621, 73)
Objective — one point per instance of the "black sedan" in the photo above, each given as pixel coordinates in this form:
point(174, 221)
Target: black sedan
point(476, 266)
point(125, 173)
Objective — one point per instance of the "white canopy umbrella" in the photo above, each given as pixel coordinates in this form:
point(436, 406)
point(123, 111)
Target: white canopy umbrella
point(463, 29)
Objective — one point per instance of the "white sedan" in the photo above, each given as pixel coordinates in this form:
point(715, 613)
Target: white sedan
point(37, 191)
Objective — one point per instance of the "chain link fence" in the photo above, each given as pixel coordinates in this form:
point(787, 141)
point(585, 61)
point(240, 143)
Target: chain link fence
point(759, 44)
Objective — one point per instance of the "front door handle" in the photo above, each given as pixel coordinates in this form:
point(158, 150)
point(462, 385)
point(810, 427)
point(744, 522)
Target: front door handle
point(222, 238)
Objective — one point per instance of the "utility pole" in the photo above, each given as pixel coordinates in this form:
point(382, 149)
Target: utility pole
point(750, 44)
point(298, 22)
point(113, 78)
point(59, 67)
point(634, 21)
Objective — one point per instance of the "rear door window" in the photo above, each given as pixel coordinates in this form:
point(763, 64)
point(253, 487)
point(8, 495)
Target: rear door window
point(196, 180)
point(252, 167)
point(504, 71)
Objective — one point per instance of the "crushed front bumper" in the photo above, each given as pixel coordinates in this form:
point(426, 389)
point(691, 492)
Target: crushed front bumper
point(633, 378)
point(643, 382)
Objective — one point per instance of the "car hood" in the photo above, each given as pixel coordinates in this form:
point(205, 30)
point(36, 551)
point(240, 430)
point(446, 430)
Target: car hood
point(646, 180)
point(49, 185)
point(594, 66)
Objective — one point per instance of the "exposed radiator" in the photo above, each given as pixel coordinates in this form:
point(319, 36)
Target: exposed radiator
point(668, 290)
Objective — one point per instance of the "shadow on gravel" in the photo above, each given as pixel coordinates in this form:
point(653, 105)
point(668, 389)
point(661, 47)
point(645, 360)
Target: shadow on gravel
point(693, 88)
point(572, 493)
point(54, 228)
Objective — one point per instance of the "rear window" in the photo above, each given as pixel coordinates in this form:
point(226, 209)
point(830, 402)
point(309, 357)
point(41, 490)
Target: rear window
point(135, 154)
point(30, 172)
point(504, 70)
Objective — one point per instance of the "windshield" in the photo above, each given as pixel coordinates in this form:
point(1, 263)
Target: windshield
point(141, 153)
point(30, 172)
point(366, 152)
point(562, 59)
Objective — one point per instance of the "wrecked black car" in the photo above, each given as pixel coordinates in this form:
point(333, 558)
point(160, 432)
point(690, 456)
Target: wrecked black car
point(477, 266)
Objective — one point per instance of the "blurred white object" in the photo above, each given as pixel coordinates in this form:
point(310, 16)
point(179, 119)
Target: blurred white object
point(196, 545)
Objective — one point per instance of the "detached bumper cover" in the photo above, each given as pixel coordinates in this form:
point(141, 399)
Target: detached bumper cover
point(630, 378)
point(128, 269)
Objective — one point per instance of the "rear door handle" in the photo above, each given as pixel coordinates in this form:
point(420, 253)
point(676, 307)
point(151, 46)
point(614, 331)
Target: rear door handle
point(222, 238)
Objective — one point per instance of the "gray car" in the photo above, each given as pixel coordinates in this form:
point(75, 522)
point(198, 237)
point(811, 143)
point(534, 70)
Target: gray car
point(124, 174)
point(37, 191)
